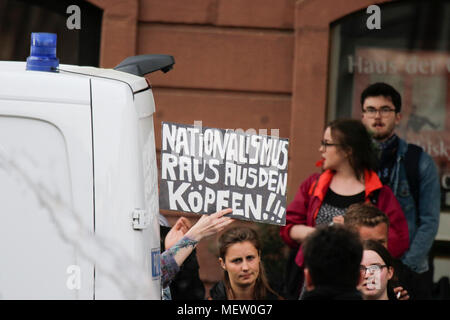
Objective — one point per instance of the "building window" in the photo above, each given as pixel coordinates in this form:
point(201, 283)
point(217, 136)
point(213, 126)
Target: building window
point(411, 52)
point(19, 18)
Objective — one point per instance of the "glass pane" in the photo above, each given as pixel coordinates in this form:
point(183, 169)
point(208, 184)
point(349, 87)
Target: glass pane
point(19, 18)
point(411, 52)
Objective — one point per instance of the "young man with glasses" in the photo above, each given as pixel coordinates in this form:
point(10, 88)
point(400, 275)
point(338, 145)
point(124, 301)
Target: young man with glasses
point(412, 176)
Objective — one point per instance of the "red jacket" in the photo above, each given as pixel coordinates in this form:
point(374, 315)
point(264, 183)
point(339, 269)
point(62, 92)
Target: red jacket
point(309, 198)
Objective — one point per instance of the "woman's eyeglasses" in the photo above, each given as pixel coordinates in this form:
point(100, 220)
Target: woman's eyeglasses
point(372, 112)
point(325, 144)
point(372, 268)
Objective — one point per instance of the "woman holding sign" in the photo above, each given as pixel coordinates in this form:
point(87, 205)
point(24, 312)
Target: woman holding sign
point(348, 177)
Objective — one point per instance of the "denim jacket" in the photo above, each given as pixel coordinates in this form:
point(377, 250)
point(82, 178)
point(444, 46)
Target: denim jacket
point(423, 221)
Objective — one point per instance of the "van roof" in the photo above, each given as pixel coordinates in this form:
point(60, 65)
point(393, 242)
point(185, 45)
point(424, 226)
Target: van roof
point(136, 83)
point(70, 76)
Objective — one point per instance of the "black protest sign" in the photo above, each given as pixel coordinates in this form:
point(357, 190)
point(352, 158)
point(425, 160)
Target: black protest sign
point(204, 170)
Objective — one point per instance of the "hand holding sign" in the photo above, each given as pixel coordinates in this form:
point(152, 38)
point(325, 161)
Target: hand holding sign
point(204, 170)
point(208, 225)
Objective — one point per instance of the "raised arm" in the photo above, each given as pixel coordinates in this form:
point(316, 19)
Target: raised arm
point(173, 258)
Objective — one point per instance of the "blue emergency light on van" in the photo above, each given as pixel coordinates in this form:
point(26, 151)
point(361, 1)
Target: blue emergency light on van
point(43, 52)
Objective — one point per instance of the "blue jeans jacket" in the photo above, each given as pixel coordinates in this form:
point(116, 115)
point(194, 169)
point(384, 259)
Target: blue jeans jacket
point(423, 221)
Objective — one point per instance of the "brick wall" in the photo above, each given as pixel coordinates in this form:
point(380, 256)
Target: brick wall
point(233, 69)
point(260, 64)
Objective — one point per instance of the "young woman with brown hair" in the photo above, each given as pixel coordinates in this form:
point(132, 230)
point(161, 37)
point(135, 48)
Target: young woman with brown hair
point(244, 277)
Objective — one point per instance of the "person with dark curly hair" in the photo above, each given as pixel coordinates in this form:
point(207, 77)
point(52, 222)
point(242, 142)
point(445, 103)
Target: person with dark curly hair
point(332, 264)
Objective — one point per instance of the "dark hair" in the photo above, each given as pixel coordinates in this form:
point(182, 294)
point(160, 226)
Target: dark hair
point(353, 137)
point(385, 90)
point(380, 250)
point(333, 256)
point(243, 234)
point(365, 214)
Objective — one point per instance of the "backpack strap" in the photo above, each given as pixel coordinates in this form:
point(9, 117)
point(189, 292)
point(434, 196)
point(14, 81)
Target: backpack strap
point(411, 159)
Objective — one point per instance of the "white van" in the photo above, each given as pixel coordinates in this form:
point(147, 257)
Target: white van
point(78, 182)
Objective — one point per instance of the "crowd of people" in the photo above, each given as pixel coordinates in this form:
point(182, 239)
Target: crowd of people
point(362, 228)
